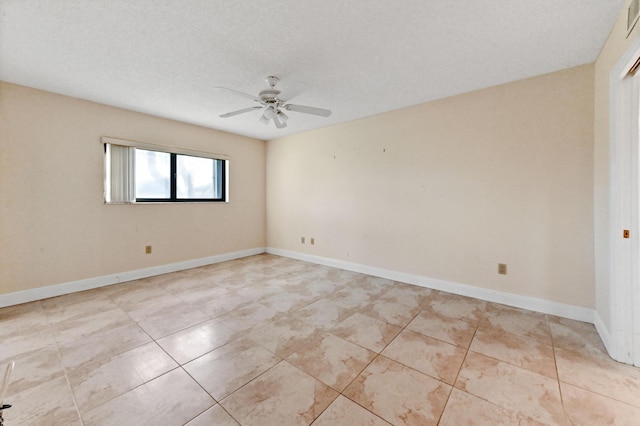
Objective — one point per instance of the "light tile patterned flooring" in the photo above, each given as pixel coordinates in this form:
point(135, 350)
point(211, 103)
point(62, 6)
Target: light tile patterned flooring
point(268, 340)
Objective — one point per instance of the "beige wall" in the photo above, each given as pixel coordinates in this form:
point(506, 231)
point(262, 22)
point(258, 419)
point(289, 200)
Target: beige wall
point(54, 226)
point(614, 48)
point(450, 188)
point(445, 190)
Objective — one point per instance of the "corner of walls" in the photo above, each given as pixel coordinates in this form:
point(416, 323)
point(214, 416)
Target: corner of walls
point(603, 331)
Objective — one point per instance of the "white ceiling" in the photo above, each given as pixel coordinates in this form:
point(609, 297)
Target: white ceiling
point(355, 57)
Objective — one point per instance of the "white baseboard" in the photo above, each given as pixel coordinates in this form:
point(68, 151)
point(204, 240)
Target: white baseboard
point(25, 296)
point(525, 302)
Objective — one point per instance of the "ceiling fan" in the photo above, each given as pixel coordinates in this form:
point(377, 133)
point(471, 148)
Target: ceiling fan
point(273, 108)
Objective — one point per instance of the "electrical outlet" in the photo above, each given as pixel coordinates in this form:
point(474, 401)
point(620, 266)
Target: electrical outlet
point(147, 249)
point(312, 241)
point(502, 268)
point(302, 240)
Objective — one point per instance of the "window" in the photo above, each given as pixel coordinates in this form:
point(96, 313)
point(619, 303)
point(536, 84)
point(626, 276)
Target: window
point(146, 173)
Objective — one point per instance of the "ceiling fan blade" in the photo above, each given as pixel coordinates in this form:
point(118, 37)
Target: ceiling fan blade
point(279, 124)
point(246, 95)
point(238, 112)
point(308, 110)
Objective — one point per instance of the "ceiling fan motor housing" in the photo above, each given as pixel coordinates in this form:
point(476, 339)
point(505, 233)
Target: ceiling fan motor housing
point(269, 95)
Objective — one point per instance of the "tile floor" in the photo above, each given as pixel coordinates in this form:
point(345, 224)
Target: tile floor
point(268, 340)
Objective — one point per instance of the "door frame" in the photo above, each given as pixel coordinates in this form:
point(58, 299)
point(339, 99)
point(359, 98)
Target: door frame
point(624, 255)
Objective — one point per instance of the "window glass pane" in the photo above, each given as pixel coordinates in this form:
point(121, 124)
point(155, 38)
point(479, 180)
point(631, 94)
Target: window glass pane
point(152, 174)
point(196, 177)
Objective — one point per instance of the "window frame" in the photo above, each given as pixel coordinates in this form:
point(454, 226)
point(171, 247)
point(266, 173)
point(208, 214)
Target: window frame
point(223, 160)
point(173, 183)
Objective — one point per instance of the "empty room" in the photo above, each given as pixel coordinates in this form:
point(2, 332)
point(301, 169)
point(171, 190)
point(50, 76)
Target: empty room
point(319, 213)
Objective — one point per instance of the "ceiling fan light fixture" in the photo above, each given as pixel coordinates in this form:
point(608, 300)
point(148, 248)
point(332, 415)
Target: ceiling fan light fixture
point(282, 116)
point(279, 124)
point(264, 120)
point(269, 113)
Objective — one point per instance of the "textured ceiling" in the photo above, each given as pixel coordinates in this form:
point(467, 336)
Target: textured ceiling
point(357, 57)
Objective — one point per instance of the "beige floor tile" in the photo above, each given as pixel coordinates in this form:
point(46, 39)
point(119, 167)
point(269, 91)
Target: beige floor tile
point(333, 361)
point(314, 288)
point(284, 395)
point(133, 292)
point(18, 345)
point(457, 307)
point(367, 332)
point(230, 367)
point(190, 343)
point(21, 321)
point(96, 383)
point(247, 317)
point(173, 398)
point(49, 403)
point(32, 369)
point(71, 299)
point(285, 335)
point(140, 310)
point(600, 374)
point(177, 282)
point(171, 320)
point(214, 416)
point(318, 273)
point(398, 394)
point(71, 330)
point(451, 330)
point(519, 351)
point(532, 325)
point(576, 336)
point(225, 304)
point(515, 389)
point(303, 268)
point(428, 355)
point(375, 286)
point(200, 295)
point(467, 410)
point(259, 291)
point(287, 301)
point(96, 347)
point(24, 311)
point(587, 408)
point(411, 296)
point(68, 308)
point(325, 313)
point(391, 312)
point(344, 412)
point(341, 275)
point(351, 298)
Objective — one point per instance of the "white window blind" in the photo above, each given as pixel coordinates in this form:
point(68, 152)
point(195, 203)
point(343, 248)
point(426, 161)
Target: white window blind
point(120, 174)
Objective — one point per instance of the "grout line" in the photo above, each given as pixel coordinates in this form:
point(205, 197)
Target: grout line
point(66, 376)
point(455, 380)
point(555, 364)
